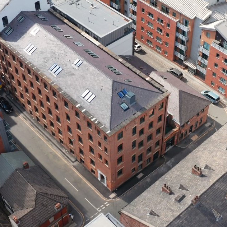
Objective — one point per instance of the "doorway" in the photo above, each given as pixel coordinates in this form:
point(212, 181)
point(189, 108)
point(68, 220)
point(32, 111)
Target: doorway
point(191, 128)
point(101, 177)
point(170, 143)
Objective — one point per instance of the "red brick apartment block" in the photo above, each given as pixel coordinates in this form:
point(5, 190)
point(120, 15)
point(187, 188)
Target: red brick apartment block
point(130, 107)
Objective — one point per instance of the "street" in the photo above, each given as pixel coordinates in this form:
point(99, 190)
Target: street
point(85, 198)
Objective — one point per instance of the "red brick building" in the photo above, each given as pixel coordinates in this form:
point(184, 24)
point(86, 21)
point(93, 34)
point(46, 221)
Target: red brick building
point(103, 112)
point(212, 60)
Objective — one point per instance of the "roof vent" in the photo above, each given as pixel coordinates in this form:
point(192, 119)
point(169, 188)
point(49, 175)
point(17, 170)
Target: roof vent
point(34, 31)
point(15, 219)
point(25, 165)
point(130, 98)
point(77, 63)
point(79, 44)
point(124, 106)
point(166, 189)
point(153, 213)
point(57, 206)
point(114, 70)
point(183, 188)
point(88, 95)
point(197, 171)
point(91, 53)
point(208, 167)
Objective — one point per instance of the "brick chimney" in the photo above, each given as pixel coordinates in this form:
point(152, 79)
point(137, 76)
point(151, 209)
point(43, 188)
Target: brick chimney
point(16, 220)
point(25, 165)
point(166, 189)
point(195, 200)
point(197, 171)
point(57, 206)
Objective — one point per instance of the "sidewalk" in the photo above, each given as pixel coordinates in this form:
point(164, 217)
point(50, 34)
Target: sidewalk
point(160, 63)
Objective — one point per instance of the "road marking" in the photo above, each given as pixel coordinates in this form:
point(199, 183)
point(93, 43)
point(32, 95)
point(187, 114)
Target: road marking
point(71, 184)
point(105, 202)
point(107, 205)
point(103, 208)
point(102, 205)
point(91, 204)
point(75, 207)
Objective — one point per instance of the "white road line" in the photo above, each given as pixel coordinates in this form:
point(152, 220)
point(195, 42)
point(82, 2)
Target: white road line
point(107, 205)
point(103, 208)
point(102, 205)
point(91, 204)
point(105, 202)
point(71, 184)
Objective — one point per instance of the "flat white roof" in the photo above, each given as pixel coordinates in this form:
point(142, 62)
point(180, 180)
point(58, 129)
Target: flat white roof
point(3, 3)
point(94, 15)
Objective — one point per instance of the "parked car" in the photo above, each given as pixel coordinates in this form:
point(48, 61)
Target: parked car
point(137, 47)
point(177, 73)
point(5, 105)
point(214, 98)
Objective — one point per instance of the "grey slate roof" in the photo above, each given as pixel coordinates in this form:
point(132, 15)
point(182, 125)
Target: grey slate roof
point(11, 161)
point(184, 102)
point(32, 194)
point(92, 74)
point(211, 156)
point(211, 207)
point(101, 19)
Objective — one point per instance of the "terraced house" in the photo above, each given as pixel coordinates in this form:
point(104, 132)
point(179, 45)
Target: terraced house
point(94, 103)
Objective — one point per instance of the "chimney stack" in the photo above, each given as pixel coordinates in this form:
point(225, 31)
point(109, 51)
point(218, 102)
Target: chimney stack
point(25, 165)
point(197, 171)
point(195, 200)
point(166, 189)
point(16, 220)
point(57, 206)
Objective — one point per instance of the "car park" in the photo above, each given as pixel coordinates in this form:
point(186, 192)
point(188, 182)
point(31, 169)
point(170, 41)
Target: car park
point(5, 105)
point(177, 73)
point(137, 47)
point(214, 98)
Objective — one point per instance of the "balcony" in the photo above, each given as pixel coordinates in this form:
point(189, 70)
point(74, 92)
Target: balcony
point(182, 57)
point(134, 8)
point(115, 6)
point(218, 47)
point(181, 36)
point(201, 69)
point(132, 16)
point(183, 27)
point(182, 47)
point(202, 60)
point(203, 50)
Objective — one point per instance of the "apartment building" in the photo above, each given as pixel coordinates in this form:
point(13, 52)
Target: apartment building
point(100, 108)
point(212, 59)
point(101, 22)
point(192, 193)
point(10, 8)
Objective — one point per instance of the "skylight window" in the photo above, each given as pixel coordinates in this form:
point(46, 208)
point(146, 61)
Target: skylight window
point(55, 69)
point(20, 19)
point(122, 93)
point(79, 44)
point(56, 28)
point(77, 63)
point(124, 106)
point(41, 17)
point(114, 70)
point(88, 95)
point(8, 31)
point(91, 53)
point(34, 31)
point(68, 36)
point(30, 49)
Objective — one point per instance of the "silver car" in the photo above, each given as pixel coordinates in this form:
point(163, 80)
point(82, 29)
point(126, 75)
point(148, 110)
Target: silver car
point(214, 98)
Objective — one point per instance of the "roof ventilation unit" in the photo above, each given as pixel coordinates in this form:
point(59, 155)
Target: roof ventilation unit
point(20, 19)
point(8, 31)
point(55, 69)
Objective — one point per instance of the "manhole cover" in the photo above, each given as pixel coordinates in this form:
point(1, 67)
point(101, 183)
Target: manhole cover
point(195, 137)
point(140, 175)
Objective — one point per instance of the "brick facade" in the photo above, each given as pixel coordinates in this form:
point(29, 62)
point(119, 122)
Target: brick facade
point(105, 156)
point(128, 221)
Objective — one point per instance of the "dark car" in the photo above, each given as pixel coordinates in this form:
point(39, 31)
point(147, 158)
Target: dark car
point(177, 73)
point(5, 105)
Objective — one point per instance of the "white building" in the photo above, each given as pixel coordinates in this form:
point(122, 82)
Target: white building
point(10, 8)
point(100, 21)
